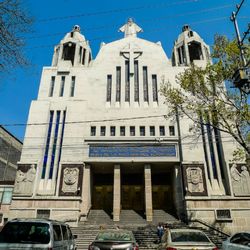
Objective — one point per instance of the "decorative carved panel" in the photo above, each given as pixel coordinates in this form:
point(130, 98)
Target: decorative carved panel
point(240, 179)
point(194, 179)
point(25, 179)
point(71, 180)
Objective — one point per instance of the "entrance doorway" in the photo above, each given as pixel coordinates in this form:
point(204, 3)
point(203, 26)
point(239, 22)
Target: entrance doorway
point(102, 192)
point(132, 192)
point(162, 192)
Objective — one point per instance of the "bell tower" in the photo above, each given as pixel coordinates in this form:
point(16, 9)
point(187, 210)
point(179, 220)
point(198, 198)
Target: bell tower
point(73, 50)
point(190, 48)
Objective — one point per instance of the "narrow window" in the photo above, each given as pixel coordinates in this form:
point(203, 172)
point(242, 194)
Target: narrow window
point(72, 87)
point(152, 130)
point(142, 130)
point(52, 85)
point(61, 141)
point(109, 86)
point(80, 54)
point(132, 130)
point(118, 84)
point(145, 83)
point(62, 86)
point(136, 97)
point(58, 113)
point(155, 89)
point(103, 130)
point(162, 131)
point(112, 130)
point(127, 82)
point(171, 131)
point(45, 158)
point(122, 131)
point(83, 56)
point(93, 130)
point(90, 58)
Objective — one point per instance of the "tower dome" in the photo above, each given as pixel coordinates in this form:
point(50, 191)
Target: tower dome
point(73, 50)
point(190, 48)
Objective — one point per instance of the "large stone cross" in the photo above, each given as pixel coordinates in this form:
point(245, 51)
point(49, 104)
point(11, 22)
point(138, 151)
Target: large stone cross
point(130, 52)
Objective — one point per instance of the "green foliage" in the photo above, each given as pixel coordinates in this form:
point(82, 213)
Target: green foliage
point(201, 94)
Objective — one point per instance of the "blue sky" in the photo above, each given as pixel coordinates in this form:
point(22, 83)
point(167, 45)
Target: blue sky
point(161, 20)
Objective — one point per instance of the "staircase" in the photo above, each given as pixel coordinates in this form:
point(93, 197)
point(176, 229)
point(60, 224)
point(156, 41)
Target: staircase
point(145, 234)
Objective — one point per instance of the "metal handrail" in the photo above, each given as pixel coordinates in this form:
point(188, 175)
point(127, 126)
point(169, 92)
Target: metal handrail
point(209, 226)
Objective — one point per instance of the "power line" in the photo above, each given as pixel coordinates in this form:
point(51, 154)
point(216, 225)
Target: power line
point(145, 20)
point(151, 6)
point(148, 31)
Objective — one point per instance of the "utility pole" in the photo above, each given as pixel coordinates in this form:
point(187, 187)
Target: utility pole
point(241, 77)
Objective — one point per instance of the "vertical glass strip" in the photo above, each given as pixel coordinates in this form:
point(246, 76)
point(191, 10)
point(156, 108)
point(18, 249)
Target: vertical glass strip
point(62, 86)
point(109, 88)
point(204, 147)
point(136, 97)
point(54, 145)
point(61, 141)
point(45, 158)
point(127, 82)
point(211, 147)
point(72, 87)
point(52, 85)
point(155, 89)
point(145, 83)
point(118, 84)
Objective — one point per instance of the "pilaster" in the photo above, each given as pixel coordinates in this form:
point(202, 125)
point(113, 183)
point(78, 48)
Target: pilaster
point(148, 192)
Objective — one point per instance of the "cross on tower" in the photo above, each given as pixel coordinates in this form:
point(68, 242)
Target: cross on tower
point(131, 53)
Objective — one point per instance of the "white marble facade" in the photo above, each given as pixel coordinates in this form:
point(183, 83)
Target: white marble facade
point(114, 99)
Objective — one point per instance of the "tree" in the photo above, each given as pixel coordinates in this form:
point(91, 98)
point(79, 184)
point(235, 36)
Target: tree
point(14, 24)
point(202, 96)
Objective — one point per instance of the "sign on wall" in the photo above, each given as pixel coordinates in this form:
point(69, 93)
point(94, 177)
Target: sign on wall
point(125, 150)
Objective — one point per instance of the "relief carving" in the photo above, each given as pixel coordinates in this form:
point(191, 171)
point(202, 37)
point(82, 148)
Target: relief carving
point(70, 180)
point(194, 180)
point(240, 180)
point(25, 181)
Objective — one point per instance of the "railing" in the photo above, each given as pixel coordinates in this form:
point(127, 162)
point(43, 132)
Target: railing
point(209, 226)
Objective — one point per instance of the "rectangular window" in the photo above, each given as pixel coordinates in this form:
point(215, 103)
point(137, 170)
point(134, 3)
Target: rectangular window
point(127, 82)
point(112, 130)
point(155, 89)
point(122, 131)
point(109, 88)
point(72, 87)
point(145, 83)
point(93, 130)
point(103, 131)
point(83, 56)
point(142, 130)
point(52, 85)
point(136, 97)
point(118, 84)
point(171, 131)
point(162, 131)
point(152, 130)
point(132, 130)
point(90, 58)
point(62, 86)
point(80, 54)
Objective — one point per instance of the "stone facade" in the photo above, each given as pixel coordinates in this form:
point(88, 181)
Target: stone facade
point(103, 141)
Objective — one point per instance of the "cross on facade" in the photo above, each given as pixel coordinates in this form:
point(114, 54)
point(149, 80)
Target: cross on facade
point(131, 53)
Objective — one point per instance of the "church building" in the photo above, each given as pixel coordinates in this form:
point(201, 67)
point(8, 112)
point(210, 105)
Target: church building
point(97, 137)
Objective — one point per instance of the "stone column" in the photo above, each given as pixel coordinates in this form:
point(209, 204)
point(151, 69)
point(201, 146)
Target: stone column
point(86, 195)
point(148, 192)
point(117, 193)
